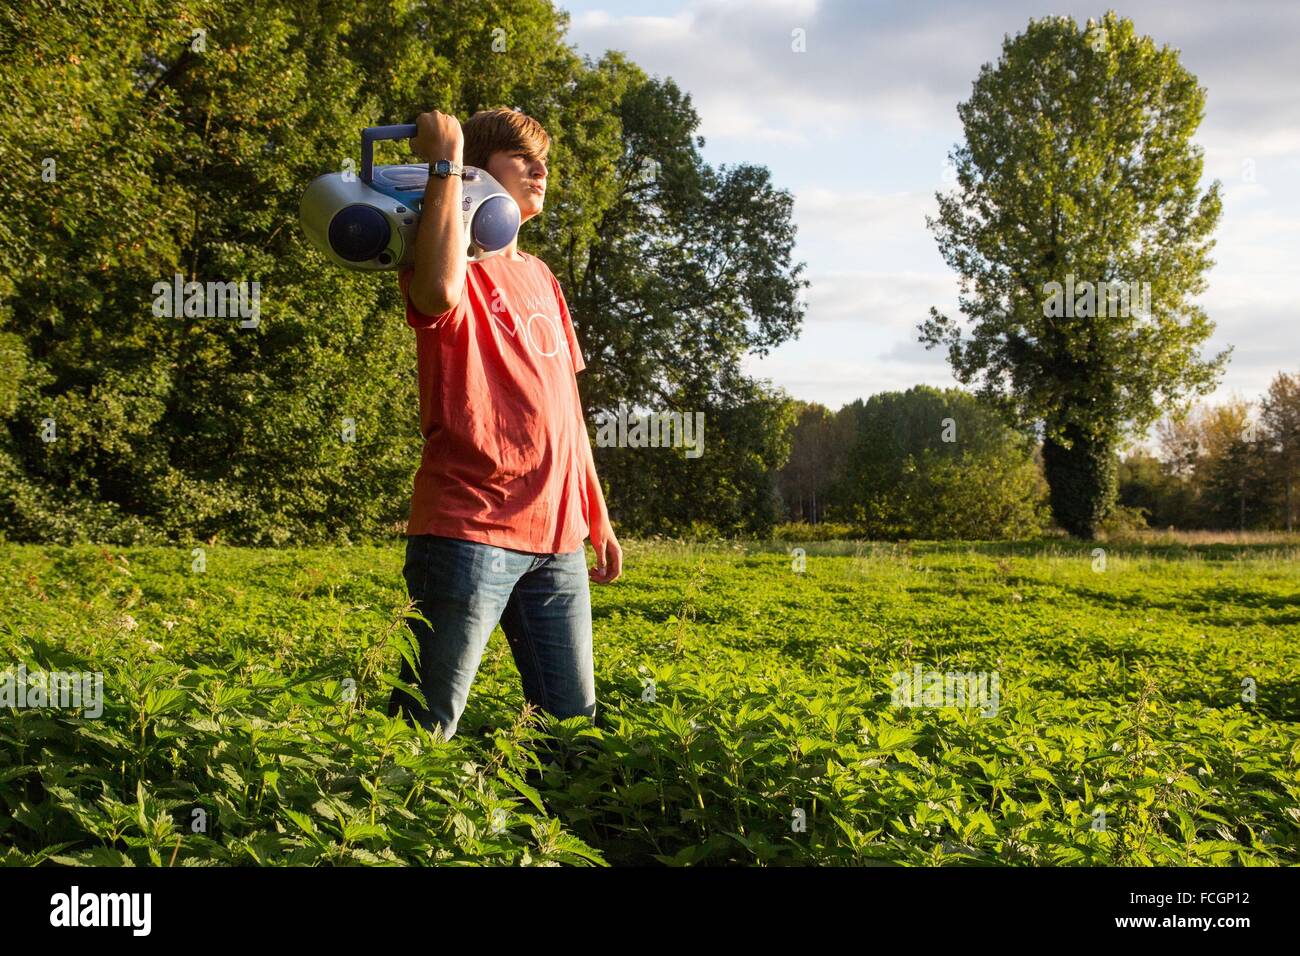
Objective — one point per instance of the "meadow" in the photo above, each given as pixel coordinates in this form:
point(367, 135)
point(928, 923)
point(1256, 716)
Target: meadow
point(1147, 699)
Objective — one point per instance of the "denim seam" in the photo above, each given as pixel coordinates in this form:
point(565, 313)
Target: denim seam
point(424, 590)
point(532, 652)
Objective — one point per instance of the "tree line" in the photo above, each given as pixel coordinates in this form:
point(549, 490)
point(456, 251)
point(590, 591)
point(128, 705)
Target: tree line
point(927, 463)
point(1234, 465)
point(159, 141)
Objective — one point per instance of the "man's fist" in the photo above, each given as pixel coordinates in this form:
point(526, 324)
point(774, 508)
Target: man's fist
point(438, 136)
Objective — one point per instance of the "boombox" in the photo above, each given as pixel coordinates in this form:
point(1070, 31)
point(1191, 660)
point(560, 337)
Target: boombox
point(369, 221)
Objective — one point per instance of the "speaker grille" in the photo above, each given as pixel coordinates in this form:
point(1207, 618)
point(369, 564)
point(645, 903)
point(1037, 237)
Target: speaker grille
point(359, 232)
point(495, 223)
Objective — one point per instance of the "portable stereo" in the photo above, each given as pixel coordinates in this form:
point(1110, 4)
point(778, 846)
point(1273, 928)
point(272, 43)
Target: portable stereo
point(369, 221)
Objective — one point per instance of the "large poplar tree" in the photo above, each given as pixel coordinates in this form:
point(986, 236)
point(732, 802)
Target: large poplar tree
point(1079, 169)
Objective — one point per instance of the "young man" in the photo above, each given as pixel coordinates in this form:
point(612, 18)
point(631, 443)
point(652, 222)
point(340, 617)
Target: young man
point(506, 490)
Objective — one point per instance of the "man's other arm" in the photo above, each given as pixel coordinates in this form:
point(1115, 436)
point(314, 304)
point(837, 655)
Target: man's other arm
point(609, 554)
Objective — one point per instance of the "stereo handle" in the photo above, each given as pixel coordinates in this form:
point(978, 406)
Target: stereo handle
point(372, 134)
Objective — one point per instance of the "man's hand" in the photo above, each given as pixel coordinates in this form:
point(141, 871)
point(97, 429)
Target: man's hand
point(609, 556)
point(438, 136)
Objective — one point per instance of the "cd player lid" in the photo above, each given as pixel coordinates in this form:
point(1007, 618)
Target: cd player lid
point(403, 177)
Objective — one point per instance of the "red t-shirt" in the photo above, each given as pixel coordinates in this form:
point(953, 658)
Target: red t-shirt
point(505, 442)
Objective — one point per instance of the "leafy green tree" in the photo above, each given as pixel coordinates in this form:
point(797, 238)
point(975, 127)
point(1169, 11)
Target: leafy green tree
point(1149, 484)
point(1222, 468)
point(931, 463)
point(970, 497)
point(815, 459)
point(181, 135)
point(1279, 422)
point(688, 269)
point(730, 488)
point(1232, 471)
point(1078, 167)
point(676, 273)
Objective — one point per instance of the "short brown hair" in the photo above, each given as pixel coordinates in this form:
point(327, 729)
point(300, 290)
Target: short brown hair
point(489, 131)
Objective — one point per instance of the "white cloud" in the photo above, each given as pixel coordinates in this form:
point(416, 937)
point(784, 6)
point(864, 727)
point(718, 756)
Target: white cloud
point(877, 299)
point(856, 123)
point(836, 383)
point(909, 64)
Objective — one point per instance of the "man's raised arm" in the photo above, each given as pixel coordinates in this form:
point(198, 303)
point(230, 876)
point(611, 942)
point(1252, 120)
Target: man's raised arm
point(439, 278)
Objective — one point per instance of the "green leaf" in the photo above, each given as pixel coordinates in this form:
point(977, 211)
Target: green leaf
point(529, 792)
point(416, 694)
point(894, 738)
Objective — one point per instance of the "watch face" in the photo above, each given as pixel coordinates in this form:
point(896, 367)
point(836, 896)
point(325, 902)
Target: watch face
point(442, 167)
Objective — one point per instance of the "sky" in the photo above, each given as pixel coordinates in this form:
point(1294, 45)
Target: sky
point(858, 129)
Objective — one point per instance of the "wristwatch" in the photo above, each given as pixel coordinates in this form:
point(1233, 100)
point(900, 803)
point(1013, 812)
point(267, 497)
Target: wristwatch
point(445, 167)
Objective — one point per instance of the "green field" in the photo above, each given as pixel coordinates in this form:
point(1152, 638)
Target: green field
point(1123, 732)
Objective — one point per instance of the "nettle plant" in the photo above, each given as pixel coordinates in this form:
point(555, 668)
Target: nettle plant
point(746, 714)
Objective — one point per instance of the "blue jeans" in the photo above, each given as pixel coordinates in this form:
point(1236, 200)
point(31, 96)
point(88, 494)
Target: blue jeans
point(465, 588)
